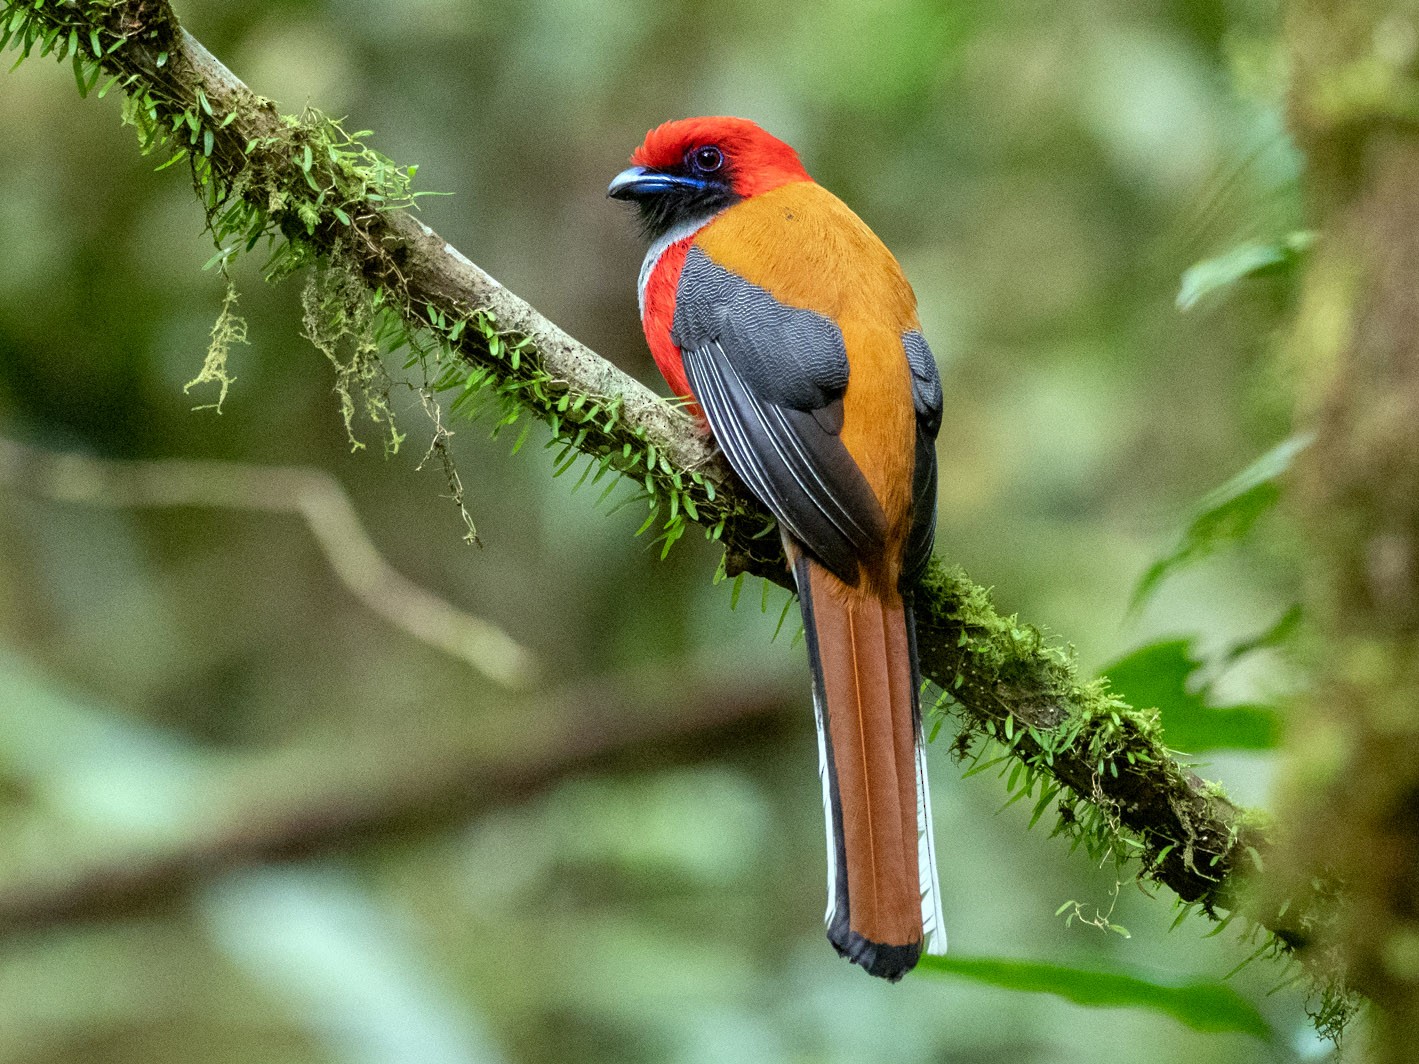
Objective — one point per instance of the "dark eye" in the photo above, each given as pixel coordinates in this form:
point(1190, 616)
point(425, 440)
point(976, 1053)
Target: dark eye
point(708, 159)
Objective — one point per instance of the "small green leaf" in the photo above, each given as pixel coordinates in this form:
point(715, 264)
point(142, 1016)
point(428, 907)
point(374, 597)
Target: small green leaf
point(783, 615)
point(1203, 1005)
point(1227, 514)
point(1246, 260)
point(1279, 634)
point(220, 256)
point(178, 155)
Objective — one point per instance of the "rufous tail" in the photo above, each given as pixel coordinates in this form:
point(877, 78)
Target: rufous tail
point(884, 906)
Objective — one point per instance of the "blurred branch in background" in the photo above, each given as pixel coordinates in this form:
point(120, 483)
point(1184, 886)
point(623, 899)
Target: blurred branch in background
point(209, 814)
point(382, 274)
point(311, 494)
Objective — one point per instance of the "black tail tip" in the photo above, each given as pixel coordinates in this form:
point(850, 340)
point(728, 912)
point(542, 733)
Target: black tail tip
point(885, 962)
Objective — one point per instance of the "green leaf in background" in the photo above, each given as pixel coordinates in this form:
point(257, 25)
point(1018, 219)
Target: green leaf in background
point(1228, 513)
point(1203, 1005)
point(1159, 674)
point(1278, 635)
point(1245, 260)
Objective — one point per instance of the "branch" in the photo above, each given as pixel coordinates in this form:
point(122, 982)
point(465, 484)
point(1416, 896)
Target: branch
point(339, 206)
point(302, 803)
point(311, 494)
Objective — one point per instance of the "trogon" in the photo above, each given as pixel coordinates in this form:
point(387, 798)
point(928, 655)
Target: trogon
point(773, 307)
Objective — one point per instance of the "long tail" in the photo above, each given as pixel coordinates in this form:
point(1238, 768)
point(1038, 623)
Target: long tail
point(884, 899)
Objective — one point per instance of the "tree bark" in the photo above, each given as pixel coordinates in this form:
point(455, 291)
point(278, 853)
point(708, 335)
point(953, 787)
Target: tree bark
point(1354, 811)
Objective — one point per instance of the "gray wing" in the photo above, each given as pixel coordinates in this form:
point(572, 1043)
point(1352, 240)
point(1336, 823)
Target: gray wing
point(770, 379)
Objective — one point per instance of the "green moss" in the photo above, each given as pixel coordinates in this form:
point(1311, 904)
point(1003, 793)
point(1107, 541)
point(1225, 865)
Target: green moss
point(340, 320)
point(229, 329)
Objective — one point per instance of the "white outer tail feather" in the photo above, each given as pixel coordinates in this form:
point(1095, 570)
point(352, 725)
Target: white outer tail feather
point(827, 808)
point(933, 924)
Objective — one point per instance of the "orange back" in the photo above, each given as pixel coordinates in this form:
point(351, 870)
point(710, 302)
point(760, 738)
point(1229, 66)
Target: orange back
point(808, 249)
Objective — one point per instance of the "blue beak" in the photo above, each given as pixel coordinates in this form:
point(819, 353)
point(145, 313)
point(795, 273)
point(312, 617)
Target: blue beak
point(641, 182)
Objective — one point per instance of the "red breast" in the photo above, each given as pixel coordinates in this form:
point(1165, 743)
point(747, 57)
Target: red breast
point(658, 313)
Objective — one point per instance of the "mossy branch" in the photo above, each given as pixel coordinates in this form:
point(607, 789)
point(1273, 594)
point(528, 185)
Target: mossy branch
point(386, 280)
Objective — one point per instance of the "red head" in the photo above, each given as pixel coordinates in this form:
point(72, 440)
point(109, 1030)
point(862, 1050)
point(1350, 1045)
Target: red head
point(752, 159)
point(693, 168)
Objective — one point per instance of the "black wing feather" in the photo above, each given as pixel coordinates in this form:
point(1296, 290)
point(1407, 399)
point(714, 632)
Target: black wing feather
point(927, 398)
point(803, 474)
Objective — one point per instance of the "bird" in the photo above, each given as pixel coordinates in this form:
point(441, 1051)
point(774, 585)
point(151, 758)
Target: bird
point(793, 335)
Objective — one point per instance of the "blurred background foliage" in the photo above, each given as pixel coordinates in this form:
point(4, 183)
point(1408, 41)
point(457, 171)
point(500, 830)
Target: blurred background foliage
point(245, 818)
